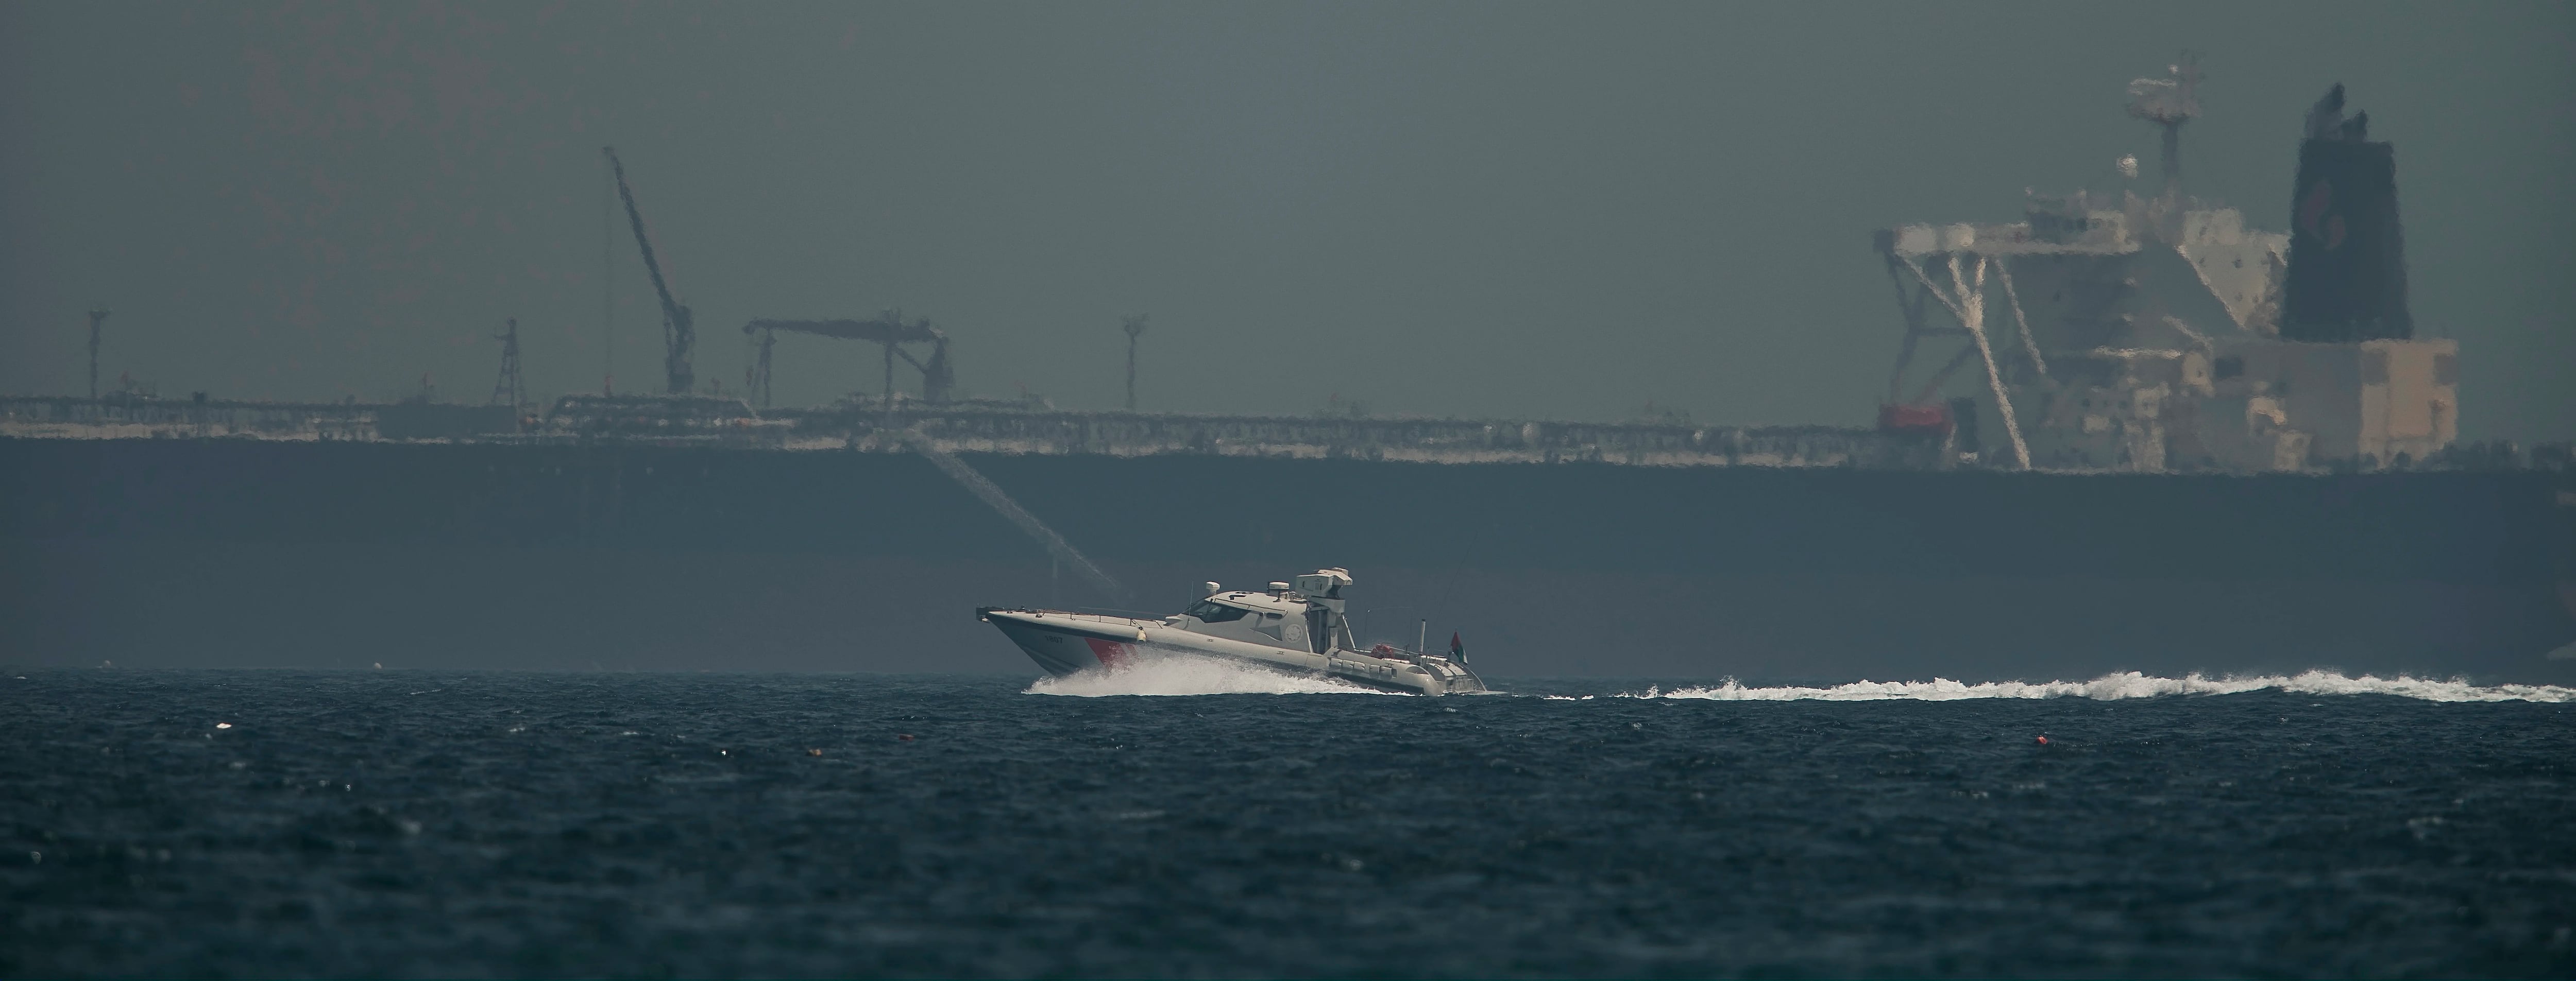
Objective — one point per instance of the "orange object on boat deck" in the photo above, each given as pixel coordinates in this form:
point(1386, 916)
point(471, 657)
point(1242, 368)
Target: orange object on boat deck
point(1930, 420)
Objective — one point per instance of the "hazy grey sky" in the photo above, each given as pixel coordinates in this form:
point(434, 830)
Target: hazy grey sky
point(1559, 210)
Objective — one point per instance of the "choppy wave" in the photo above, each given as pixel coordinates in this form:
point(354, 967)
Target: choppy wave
point(1181, 674)
point(2132, 684)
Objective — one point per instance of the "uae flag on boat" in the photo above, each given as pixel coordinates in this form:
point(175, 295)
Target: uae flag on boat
point(1457, 651)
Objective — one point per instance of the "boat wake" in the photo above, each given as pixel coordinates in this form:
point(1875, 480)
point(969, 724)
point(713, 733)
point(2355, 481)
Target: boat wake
point(1181, 674)
point(2111, 687)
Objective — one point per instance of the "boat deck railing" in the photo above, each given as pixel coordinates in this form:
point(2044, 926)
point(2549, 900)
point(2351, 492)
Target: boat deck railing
point(1091, 617)
point(1107, 611)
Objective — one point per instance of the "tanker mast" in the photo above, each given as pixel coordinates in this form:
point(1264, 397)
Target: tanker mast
point(510, 389)
point(97, 317)
point(2169, 102)
point(1135, 326)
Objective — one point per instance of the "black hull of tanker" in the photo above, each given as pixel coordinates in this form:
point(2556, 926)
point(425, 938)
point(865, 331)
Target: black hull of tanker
point(239, 552)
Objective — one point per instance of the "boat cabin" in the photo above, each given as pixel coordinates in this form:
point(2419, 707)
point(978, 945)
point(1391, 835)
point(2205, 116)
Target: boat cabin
point(1280, 617)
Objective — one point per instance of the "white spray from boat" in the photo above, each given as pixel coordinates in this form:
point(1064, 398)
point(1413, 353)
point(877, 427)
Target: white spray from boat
point(2113, 687)
point(1184, 674)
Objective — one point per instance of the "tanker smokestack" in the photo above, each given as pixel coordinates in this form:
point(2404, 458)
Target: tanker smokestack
point(2347, 275)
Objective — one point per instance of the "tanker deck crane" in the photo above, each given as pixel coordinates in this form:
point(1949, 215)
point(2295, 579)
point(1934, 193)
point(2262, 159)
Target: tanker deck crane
point(679, 333)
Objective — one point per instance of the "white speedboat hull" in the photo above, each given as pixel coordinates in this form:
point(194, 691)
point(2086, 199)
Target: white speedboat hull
point(1063, 643)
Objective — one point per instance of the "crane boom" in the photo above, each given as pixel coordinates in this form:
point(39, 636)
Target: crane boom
point(679, 333)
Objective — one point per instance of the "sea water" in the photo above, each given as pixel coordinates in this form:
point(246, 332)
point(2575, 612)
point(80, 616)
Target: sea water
point(1189, 818)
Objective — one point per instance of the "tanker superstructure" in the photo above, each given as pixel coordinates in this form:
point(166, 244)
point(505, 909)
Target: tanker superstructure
point(2162, 440)
point(2162, 333)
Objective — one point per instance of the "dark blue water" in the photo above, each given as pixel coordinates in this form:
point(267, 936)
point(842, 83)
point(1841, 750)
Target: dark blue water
point(420, 823)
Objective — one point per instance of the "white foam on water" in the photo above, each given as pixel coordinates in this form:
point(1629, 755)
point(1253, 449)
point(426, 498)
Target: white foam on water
point(1182, 674)
point(2112, 687)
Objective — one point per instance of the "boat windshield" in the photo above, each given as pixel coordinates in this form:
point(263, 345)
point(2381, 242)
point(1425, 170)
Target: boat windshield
point(1211, 611)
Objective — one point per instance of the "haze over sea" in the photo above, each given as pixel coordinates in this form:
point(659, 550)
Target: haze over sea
point(296, 823)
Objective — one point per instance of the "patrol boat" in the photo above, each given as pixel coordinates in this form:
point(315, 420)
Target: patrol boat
point(1297, 628)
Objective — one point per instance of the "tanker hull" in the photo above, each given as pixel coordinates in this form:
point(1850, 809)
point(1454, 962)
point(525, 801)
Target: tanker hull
point(201, 552)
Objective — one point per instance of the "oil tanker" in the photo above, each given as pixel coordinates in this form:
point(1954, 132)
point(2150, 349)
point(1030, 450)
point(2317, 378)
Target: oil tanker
point(2128, 432)
point(630, 555)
